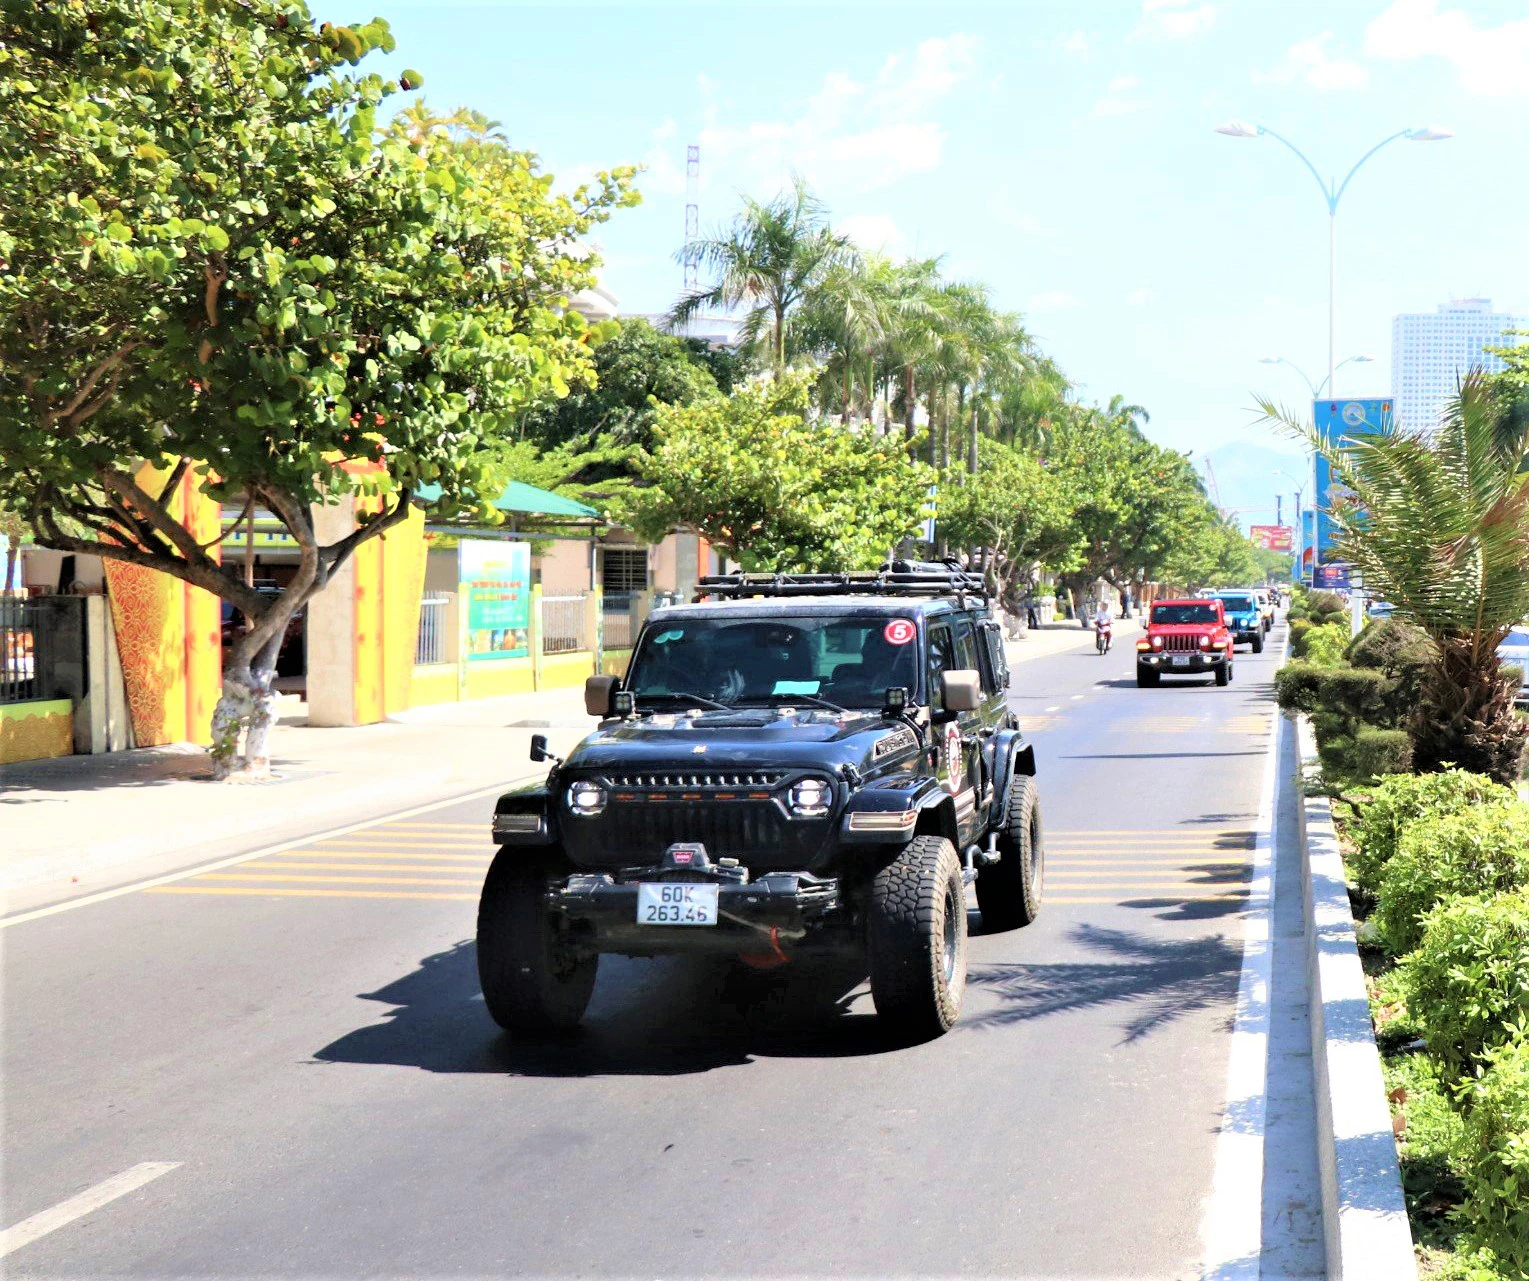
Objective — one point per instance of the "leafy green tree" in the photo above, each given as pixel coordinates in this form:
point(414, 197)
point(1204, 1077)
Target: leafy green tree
point(1439, 525)
point(773, 490)
point(217, 265)
point(768, 262)
point(1013, 515)
point(636, 370)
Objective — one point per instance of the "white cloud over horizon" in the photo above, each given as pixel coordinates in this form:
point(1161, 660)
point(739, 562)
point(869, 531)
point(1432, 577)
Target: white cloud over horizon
point(1119, 99)
point(1492, 62)
point(1174, 19)
point(1309, 62)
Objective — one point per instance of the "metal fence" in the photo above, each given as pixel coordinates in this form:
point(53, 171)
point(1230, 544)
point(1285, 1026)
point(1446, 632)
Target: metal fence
point(42, 648)
point(624, 615)
point(563, 624)
point(433, 614)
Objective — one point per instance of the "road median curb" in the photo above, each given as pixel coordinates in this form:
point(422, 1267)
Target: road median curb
point(1364, 1213)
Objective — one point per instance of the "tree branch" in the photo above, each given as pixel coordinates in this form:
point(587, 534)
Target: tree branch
point(336, 554)
point(67, 412)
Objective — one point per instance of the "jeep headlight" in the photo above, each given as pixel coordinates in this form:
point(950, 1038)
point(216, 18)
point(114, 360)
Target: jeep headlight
point(810, 798)
point(587, 799)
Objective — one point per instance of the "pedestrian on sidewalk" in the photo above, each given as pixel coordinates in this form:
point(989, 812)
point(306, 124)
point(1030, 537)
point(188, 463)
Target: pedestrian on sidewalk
point(1125, 602)
point(1032, 615)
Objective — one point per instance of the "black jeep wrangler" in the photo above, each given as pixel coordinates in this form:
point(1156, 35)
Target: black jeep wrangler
point(817, 761)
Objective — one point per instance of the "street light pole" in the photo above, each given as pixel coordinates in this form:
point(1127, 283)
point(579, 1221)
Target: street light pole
point(1300, 535)
point(1332, 193)
point(1315, 388)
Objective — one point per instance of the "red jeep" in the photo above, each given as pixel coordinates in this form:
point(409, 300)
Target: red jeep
point(1185, 637)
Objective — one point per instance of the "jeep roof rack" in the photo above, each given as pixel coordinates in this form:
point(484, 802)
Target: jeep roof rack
point(897, 578)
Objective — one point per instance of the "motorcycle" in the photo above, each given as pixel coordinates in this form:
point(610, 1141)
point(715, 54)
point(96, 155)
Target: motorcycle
point(1103, 632)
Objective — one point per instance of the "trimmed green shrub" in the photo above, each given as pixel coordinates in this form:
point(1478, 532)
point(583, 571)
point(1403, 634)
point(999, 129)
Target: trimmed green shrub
point(1324, 644)
point(1296, 686)
point(1382, 751)
point(1356, 692)
point(1468, 981)
point(1399, 802)
point(1326, 607)
point(1298, 629)
point(1493, 1155)
point(1482, 850)
point(1389, 644)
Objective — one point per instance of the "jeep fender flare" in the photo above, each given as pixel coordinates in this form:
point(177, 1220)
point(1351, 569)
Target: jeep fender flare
point(524, 802)
point(1012, 758)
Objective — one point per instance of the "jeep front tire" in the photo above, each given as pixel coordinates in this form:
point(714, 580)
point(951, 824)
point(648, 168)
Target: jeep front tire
point(916, 939)
point(1009, 891)
point(533, 980)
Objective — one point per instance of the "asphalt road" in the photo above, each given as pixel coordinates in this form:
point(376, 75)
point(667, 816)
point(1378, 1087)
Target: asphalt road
point(301, 1035)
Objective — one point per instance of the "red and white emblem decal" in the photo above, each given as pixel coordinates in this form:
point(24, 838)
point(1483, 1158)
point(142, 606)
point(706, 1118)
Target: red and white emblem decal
point(955, 763)
point(899, 631)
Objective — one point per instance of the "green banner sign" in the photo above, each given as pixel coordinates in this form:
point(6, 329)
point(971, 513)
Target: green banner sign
point(494, 578)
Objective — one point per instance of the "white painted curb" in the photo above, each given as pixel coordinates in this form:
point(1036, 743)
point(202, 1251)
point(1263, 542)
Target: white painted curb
point(1363, 1213)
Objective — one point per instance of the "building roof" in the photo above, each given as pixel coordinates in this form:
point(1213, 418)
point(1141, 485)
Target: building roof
point(528, 499)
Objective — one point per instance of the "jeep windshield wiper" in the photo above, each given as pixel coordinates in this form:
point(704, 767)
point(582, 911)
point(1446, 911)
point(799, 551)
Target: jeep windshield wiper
point(788, 699)
point(700, 699)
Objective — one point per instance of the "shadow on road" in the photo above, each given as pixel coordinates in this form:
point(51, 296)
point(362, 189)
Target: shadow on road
point(1159, 980)
point(1155, 756)
point(663, 1017)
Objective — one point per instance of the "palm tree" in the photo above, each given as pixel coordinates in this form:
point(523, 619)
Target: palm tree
point(841, 321)
point(1439, 525)
point(1127, 415)
point(768, 261)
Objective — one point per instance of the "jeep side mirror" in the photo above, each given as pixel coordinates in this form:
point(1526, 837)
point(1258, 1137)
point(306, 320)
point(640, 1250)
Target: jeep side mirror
point(961, 690)
point(597, 695)
point(539, 747)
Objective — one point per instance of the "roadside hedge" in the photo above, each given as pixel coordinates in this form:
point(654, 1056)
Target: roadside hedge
point(1380, 752)
point(1482, 850)
point(1397, 803)
point(1493, 1154)
point(1467, 984)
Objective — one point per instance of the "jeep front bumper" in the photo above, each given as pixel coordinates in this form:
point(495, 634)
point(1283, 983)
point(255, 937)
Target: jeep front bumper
point(1172, 663)
point(778, 910)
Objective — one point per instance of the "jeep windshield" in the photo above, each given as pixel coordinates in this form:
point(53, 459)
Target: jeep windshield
point(849, 660)
point(1238, 604)
point(1183, 615)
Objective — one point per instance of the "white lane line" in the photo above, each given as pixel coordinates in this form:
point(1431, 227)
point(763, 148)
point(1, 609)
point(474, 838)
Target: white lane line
point(299, 842)
point(1231, 1226)
point(1055, 707)
point(1076, 697)
point(77, 1207)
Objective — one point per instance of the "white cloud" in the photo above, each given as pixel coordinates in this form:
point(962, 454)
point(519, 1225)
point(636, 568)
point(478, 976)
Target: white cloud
point(874, 232)
point(1051, 300)
point(664, 172)
point(858, 135)
point(1119, 98)
point(1492, 62)
point(1307, 60)
point(1141, 297)
point(1077, 42)
point(1174, 19)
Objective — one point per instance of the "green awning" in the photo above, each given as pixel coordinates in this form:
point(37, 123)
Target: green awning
point(527, 499)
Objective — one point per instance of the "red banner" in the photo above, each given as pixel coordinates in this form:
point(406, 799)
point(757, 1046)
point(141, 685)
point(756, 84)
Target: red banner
point(1272, 538)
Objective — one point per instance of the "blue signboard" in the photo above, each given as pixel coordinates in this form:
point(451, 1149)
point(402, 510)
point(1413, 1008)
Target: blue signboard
point(1336, 419)
point(1308, 544)
point(1332, 577)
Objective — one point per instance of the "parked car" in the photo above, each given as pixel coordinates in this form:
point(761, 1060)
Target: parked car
point(1243, 619)
point(816, 762)
point(1515, 650)
point(1185, 638)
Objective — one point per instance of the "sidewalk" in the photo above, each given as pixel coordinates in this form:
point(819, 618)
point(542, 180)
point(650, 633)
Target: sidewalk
point(79, 822)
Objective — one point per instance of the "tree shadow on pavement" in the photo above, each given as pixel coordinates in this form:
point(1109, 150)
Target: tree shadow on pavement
point(1154, 980)
point(662, 1018)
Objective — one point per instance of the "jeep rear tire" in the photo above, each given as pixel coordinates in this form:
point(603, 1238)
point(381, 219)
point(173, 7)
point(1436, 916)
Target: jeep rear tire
point(533, 980)
point(916, 939)
point(1258, 643)
point(1009, 891)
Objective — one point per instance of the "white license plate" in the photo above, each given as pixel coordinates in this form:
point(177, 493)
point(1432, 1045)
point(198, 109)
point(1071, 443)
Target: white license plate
point(676, 903)
point(1181, 660)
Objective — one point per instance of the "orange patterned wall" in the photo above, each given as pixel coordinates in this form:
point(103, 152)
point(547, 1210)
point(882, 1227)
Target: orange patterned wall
point(168, 633)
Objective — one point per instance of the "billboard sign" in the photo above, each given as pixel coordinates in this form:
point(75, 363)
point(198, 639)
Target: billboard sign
point(1308, 544)
point(1272, 538)
point(1333, 577)
point(1336, 419)
point(494, 578)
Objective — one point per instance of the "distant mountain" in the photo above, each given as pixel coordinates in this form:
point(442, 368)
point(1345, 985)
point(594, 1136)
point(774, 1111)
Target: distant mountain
point(1246, 480)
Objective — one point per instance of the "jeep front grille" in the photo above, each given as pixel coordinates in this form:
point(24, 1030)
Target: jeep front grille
point(694, 780)
point(1181, 643)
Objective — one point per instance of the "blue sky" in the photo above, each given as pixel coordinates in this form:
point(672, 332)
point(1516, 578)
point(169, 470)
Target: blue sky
point(1062, 153)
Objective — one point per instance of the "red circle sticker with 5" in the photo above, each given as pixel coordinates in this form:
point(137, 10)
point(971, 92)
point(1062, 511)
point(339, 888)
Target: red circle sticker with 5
point(899, 631)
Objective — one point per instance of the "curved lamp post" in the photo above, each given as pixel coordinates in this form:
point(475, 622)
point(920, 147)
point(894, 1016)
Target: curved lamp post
point(1316, 388)
point(1332, 193)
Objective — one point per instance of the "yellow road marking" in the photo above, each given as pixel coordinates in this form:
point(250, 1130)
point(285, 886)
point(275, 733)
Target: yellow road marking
point(397, 855)
point(275, 892)
point(340, 880)
point(432, 827)
point(366, 867)
point(411, 842)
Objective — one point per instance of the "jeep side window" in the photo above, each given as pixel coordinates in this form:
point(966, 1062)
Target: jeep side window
point(995, 664)
point(940, 660)
point(966, 646)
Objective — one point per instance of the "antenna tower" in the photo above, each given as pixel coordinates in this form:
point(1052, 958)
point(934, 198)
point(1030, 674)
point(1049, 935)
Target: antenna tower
point(692, 211)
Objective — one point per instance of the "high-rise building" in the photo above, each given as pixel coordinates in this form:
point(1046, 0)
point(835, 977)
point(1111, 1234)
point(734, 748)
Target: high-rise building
point(1431, 350)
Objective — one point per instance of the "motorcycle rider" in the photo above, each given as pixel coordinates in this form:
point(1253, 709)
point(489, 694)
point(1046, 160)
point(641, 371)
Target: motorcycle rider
point(1102, 626)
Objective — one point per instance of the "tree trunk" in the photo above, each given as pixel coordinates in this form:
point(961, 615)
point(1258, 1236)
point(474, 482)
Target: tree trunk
point(11, 553)
point(1466, 717)
point(908, 408)
point(971, 457)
